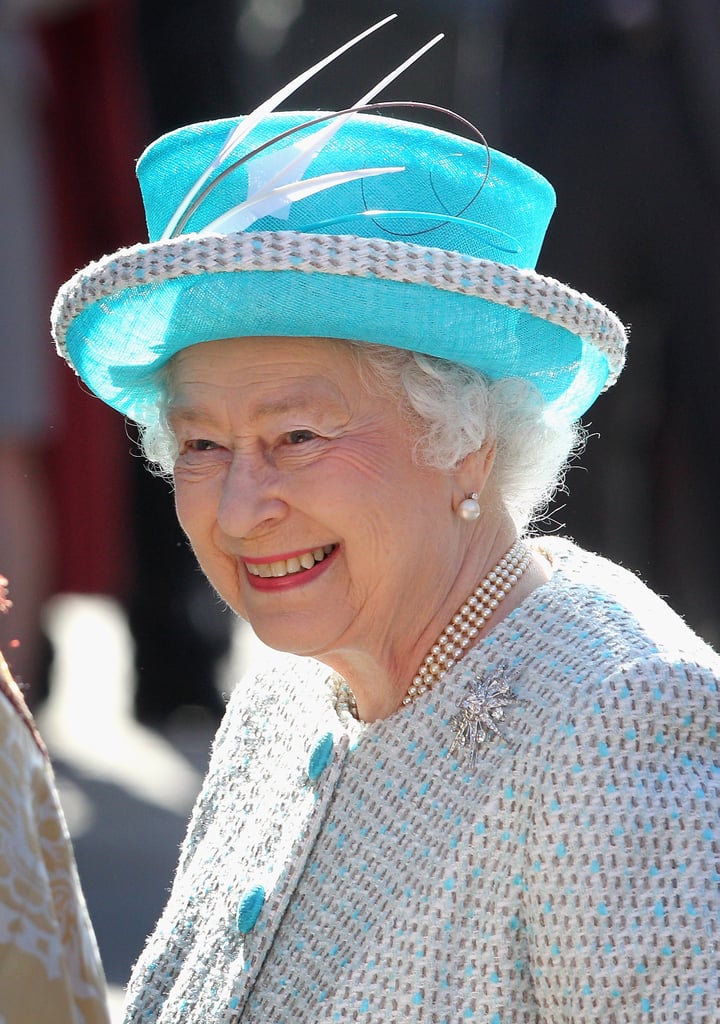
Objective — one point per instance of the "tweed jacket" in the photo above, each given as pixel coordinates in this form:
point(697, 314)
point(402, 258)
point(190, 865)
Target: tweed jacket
point(339, 872)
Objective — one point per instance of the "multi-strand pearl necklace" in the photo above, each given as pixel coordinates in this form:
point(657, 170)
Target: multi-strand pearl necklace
point(463, 629)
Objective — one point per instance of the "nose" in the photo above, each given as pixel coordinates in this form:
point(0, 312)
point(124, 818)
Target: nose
point(250, 499)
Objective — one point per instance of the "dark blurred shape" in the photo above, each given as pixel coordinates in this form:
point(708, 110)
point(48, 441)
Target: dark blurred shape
point(188, 59)
point(618, 104)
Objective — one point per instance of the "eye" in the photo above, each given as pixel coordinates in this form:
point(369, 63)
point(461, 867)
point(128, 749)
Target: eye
point(200, 444)
point(300, 436)
point(201, 451)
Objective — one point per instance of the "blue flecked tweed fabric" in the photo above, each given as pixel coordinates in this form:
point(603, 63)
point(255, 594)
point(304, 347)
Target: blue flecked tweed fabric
point(336, 872)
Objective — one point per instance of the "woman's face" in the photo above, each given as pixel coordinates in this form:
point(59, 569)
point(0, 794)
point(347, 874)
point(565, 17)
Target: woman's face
point(298, 491)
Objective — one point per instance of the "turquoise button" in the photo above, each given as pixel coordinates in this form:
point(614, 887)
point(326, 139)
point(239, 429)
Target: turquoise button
point(320, 756)
point(249, 909)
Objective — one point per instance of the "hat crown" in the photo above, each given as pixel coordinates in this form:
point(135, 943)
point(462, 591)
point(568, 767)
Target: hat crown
point(429, 244)
point(445, 196)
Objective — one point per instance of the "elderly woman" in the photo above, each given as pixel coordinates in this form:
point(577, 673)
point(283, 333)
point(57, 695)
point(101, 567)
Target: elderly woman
point(482, 782)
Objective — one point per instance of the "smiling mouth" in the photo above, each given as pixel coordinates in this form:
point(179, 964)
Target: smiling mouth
point(290, 566)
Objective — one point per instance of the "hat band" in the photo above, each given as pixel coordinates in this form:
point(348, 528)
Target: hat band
point(345, 255)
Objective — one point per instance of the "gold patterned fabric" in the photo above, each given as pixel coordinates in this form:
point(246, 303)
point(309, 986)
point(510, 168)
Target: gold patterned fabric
point(49, 963)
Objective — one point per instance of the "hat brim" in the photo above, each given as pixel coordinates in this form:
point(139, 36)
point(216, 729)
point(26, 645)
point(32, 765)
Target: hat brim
point(123, 318)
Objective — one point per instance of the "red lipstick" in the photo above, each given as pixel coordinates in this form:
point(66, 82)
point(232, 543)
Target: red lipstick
point(270, 584)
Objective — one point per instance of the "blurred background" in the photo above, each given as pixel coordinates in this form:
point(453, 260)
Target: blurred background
point(124, 651)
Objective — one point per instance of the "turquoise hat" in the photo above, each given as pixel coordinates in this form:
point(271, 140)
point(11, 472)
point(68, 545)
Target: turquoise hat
point(355, 225)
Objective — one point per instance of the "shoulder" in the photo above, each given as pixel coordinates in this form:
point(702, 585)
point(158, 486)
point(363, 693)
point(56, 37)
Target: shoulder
point(620, 695)
point(278, 692)
point(21, 762)
point(643, 650)
point(603, 616)
point(620, 666)
point(601, 656)
point(628, 699)
point(273, 716)
point(24, 766)
point(16, 720)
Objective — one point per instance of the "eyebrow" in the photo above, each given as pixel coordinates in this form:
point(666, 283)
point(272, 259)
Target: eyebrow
point(274, 407)
point(265, 409)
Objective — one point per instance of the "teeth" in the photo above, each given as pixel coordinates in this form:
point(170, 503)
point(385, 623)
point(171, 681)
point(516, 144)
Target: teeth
point(288, 567)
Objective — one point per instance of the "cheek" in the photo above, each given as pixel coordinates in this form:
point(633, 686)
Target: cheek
point(384, 473)
point(383, 505)
point(366, 467)
point(196, 507)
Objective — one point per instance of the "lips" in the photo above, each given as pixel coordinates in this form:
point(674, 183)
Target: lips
point(290, 566)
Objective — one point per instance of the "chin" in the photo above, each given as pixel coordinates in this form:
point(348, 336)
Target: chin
point(290, 640)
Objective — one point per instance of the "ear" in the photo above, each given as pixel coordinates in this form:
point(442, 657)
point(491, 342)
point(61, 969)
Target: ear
point(472, 472)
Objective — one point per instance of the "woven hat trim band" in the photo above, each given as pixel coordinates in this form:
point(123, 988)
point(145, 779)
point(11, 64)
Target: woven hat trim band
point(344, 255)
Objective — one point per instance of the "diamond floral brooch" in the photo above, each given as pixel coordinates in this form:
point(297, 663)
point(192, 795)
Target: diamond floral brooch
point(480, 712)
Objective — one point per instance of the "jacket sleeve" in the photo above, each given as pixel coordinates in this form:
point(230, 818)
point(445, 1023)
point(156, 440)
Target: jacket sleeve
point(623, 865)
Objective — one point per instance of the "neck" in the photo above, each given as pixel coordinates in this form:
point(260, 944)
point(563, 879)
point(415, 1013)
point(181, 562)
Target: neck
point(380, 679)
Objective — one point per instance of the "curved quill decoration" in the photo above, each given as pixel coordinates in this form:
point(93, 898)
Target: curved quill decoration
point(269, 173)
point(277, 168)
point(240, 131)
point(279, 201)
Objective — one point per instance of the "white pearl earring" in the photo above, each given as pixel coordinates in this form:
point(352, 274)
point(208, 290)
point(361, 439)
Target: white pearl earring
point(469, 508)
